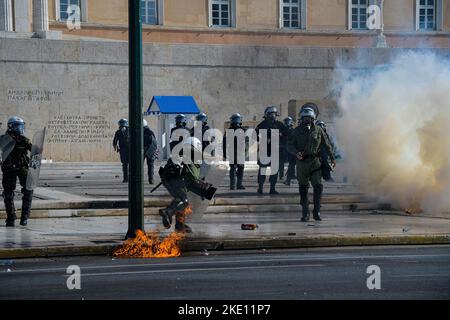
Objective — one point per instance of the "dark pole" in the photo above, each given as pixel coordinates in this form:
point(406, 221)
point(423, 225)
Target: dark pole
point(135, 184)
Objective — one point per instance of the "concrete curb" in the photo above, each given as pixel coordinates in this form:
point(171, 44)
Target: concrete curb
point(191, 245)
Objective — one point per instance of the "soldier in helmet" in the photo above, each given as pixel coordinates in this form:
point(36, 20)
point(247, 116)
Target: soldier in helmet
point(236, 169)
point(177, 178)
point(305, 143)
point(269, 123)
point(15, 165)
point(180, 124)
point(285, 155)
point(121, 143)
point(150, 150)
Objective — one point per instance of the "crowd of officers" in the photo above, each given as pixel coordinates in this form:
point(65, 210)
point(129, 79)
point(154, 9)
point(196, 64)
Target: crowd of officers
point(306, 148)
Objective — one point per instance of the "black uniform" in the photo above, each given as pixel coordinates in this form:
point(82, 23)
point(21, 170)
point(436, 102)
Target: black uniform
point(283, 131)
point(121, 140)
point(13, 167)
point(236, 168)
point(150, 152)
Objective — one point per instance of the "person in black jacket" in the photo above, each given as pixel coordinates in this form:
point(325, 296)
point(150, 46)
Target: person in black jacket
point(15, 166)
point(121, 144)
point(150, 150)
point(236, 168)
point(269, 123)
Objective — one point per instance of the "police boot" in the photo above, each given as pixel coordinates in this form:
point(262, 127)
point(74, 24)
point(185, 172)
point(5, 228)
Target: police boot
point(304, 203)
point(239, 182)
point(125, 172)
point(260, 188)
point(232, 181)
point(318, 189)
point(272, 189)
point(288, 181)
point(26, 206)
point(180, 223)
point(9, 207)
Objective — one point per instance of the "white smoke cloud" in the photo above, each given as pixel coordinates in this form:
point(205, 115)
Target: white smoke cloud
point(395, 130)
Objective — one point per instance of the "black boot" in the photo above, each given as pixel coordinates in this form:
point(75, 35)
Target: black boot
point(240, 177)
point(8, 198)
point(260, 188)
point(125, 172)
point(288, 182)
point(304, 203)
point(318, 189)
point(273, 191)
point(26, 206)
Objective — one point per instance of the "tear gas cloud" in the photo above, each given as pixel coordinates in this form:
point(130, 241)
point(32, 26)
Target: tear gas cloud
point(394, 130)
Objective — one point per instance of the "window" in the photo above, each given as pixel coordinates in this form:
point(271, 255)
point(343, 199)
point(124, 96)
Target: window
point(358, 14)
point(291, 13)
point(64, 5)
point(149, 11)
point(220, 13)
point(427, 15)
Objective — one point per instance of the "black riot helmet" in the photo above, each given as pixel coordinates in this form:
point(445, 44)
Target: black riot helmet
point(236, 119)
point(16, 125)
point(180, 120)
point(271, 113)
point(123, 123)
point(288, 122)
point(202, 117)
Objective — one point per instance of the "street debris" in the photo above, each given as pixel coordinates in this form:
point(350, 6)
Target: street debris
point(249, 226)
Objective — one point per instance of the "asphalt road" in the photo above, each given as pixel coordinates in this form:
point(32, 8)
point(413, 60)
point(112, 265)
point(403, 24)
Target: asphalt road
point(333, 273)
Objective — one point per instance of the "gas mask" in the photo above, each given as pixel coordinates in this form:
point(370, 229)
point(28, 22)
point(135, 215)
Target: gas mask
point(307, 123)
point(18, 129)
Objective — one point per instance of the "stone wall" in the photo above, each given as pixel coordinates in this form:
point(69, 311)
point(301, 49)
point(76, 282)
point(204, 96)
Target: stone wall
point(79, 89)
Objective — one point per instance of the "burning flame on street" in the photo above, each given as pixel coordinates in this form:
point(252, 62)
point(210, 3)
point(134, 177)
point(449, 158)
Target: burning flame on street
point(151, 245)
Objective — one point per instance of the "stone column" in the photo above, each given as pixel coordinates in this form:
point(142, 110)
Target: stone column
point(6, 21)
point(22, 16)
point(40, 21)
point(381, 38)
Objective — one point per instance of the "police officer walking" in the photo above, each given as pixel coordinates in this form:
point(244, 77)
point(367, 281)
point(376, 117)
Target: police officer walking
point(121, 144)
point(285, 155)
point(236, 168)
point(14, 166)
point(150, 150)
point(269, 123)
point(305, 143)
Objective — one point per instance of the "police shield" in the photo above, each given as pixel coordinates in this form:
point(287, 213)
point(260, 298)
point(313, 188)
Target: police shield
point(35, 159)
point(213, 172)
point(7, 144)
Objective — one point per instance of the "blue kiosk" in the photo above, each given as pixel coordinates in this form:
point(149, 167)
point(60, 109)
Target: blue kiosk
point(166, 108)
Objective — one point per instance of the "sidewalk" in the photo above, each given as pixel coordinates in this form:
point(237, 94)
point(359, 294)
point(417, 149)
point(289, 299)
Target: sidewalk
point(81, 208)
point(99, 235)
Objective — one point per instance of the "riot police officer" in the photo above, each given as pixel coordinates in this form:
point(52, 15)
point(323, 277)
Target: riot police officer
point(121, 144)
point(236, 168)
point(15, 165)
point(285, 155)
point(150, 150)
point(269, 123)
point(305, 143)
point(180, 124)
point(177, 178)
